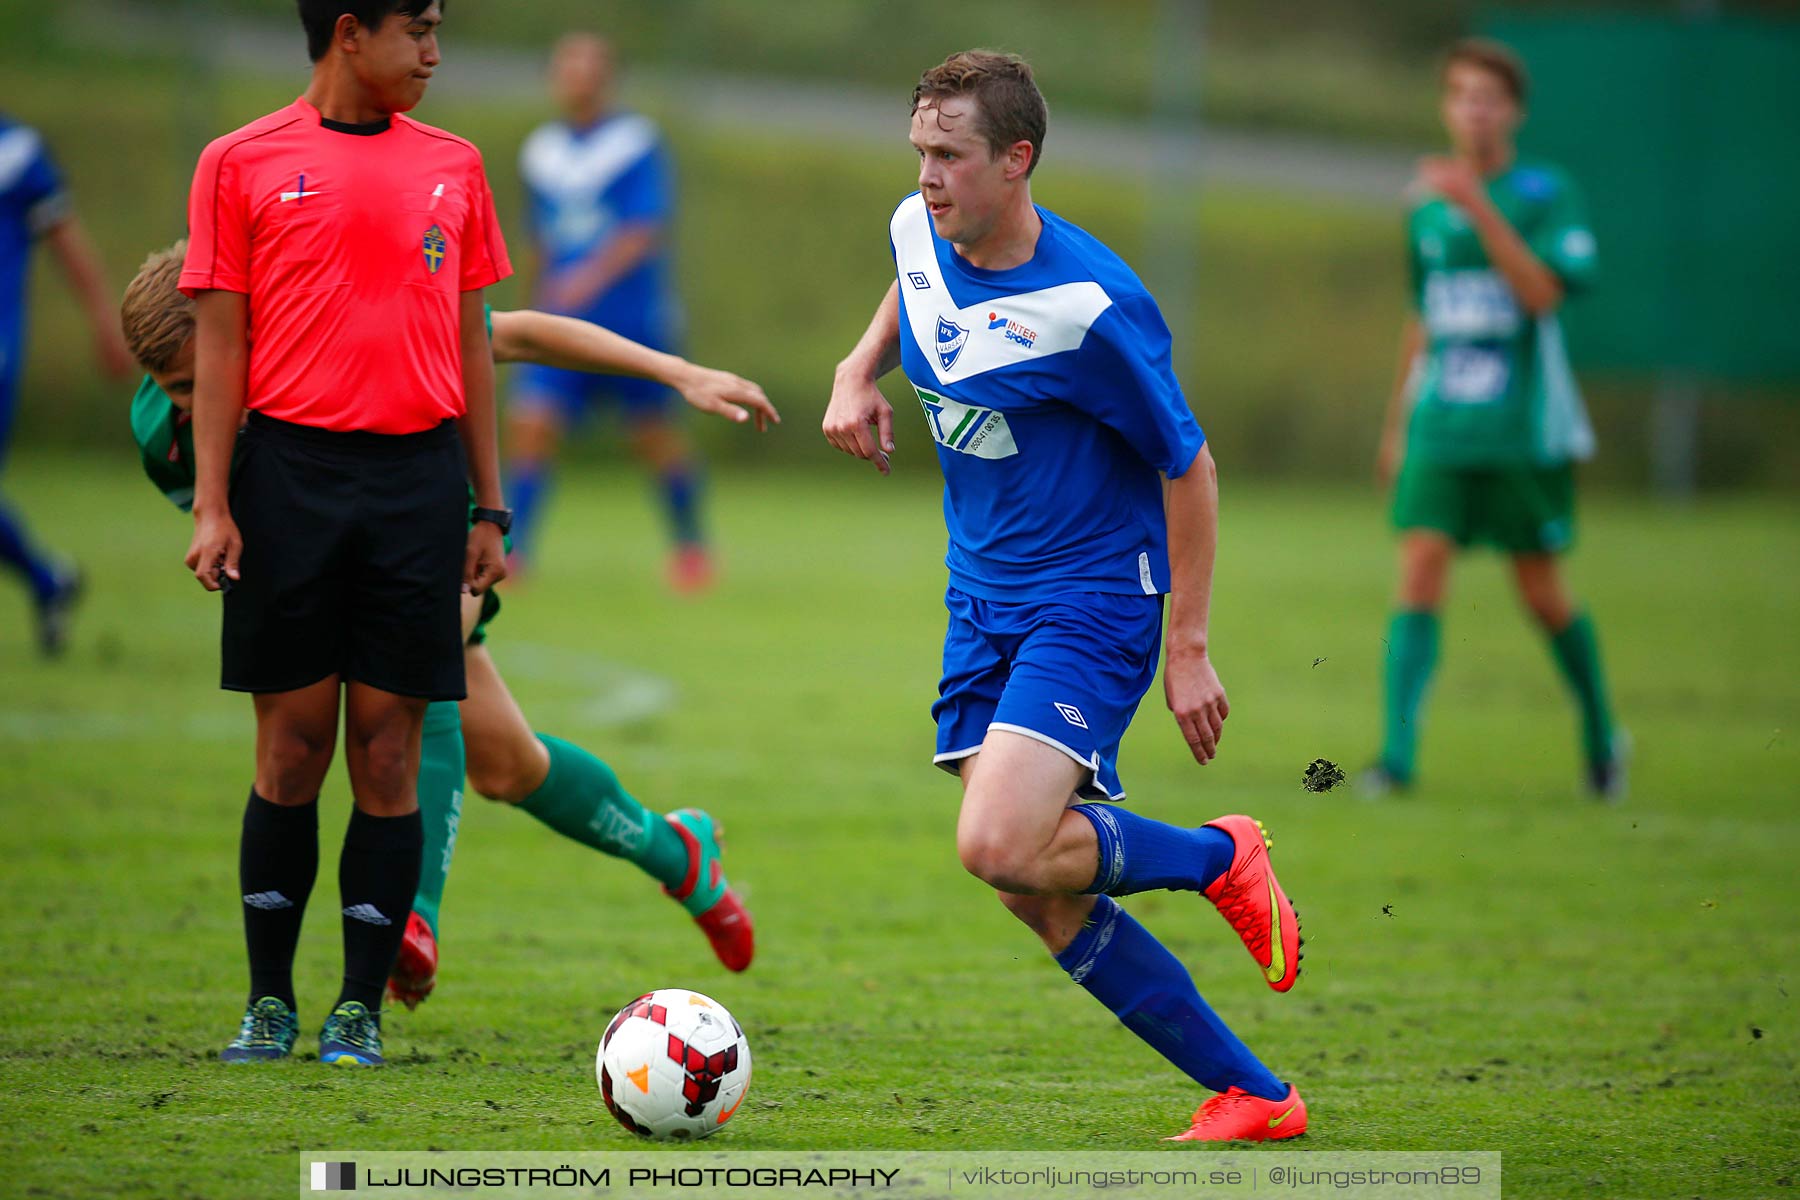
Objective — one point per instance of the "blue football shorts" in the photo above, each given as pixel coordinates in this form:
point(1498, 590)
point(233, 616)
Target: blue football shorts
point(1068, 672)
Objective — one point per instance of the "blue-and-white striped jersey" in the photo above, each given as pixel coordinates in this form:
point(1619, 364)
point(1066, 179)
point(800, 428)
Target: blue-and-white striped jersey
point(587, 183)
point(32, 199)
point(1049, 391)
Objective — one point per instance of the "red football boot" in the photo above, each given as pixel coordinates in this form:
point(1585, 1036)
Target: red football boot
point(1248, 896)
point(415, 971)
point(1234, 1115)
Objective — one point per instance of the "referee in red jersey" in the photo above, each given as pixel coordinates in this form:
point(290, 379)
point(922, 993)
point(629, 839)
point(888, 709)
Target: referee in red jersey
point(337, 255)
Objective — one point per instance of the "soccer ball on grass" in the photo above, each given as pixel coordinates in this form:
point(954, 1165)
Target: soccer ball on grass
point(673, 1065)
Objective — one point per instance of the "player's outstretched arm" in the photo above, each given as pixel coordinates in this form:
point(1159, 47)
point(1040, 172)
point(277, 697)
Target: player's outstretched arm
point(856, 401)
point(576, 345)
point(221, 373)
point(74, 252)
point(1190, 684)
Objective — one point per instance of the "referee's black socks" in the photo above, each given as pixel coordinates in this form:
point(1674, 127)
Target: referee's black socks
point(378, 873)
point(278, 856)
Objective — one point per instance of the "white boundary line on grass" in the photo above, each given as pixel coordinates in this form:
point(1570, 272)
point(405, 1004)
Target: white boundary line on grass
point(611, 695)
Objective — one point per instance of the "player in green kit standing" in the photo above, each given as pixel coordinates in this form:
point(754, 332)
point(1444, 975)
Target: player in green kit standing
point(1486, 424)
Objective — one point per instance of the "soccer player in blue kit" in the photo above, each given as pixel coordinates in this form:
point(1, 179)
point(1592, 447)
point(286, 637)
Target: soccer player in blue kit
point(34, 204)
point(1078, 491)
point(602, 197)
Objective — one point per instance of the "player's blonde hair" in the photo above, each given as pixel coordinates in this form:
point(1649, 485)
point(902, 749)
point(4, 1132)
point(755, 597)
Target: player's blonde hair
point(158, 318)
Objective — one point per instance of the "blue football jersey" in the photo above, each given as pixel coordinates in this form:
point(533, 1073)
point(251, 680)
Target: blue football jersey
point(584, 186)
point(1049, 392)
point(31, 201)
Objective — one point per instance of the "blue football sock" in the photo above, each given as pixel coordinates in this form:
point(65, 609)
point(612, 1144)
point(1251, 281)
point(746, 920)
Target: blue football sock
point(681, 486)
point(526, 486)
point(1141, 855)
point(1128, 970)
point(16, 552)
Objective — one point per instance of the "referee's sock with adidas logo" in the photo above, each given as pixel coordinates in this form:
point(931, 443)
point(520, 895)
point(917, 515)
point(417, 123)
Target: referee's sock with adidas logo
point(378, 872)
point(278, 856)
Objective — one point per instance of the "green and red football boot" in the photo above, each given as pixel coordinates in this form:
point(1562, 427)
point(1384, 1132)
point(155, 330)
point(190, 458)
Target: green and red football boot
point(706, 895)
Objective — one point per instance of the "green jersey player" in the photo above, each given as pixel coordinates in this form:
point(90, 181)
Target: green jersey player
point(486, 734)
point(1486, 424)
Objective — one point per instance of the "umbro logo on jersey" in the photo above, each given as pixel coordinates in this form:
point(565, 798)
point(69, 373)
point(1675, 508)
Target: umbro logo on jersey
point(1072, 715)
point(299, 193)
point(268, 901)
point(951, 338)
point(918, 280)
point(366, 913)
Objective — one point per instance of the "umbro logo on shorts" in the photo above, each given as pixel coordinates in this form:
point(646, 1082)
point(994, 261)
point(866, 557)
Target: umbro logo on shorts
point(1072, 715)
point(268, 900)
point(367, 913)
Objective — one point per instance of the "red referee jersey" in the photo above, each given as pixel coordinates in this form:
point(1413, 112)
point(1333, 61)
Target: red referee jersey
point(354, 249)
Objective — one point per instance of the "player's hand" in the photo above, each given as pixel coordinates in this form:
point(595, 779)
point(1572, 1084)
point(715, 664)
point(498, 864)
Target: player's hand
point(1453, 179)
point(1197, 699)
point(859, 420)
point(213, 554)
point(484, 564)
point(726, 395)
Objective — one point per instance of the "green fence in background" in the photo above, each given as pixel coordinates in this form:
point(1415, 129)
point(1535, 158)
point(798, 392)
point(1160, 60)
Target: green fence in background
point(1685, 135)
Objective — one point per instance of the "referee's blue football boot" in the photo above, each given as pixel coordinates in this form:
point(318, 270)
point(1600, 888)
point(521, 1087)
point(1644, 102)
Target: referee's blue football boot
point(351, 1037)
point(268, 1032)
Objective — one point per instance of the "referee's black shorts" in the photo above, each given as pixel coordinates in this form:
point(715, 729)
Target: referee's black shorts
point(352, 562)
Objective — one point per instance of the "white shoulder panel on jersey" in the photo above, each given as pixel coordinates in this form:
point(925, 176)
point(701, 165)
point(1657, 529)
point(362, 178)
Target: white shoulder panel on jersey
point(18, 149)
point(998, 332)
point(552, 161)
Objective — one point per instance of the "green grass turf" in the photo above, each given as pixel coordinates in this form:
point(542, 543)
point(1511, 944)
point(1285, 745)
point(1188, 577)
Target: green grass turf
point(1494, 963)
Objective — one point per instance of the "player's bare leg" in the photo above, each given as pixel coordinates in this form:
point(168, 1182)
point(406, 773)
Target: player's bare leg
point(1605, 747)
point(1018, 833)
point(579, 796)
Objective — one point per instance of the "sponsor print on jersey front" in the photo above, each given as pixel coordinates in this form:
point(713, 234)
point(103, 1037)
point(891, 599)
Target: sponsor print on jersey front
point(982, 432)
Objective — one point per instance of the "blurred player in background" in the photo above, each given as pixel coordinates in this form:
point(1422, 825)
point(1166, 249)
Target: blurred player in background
point(1486, 452)
point(1078, 491)
point(559, 783)
point(601, 194)
point(34, 204)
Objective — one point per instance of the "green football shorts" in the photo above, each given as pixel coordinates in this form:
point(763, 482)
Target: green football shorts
point(1520, 510)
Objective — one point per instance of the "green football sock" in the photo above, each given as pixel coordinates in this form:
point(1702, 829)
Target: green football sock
point(1411, 654)
point(581, 798)
point(1577, 652)
point(440, 803)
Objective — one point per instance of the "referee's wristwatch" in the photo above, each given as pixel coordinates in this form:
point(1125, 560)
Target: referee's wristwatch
point(501, 517)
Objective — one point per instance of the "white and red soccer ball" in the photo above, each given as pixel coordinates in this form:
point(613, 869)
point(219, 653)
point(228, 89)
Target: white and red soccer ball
point(673, 1065)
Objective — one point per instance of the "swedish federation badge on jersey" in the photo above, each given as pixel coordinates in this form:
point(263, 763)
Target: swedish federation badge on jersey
point(951, 338)
point(434, 249)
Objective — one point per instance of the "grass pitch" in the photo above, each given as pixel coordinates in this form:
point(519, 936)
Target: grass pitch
point(1603, 994)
